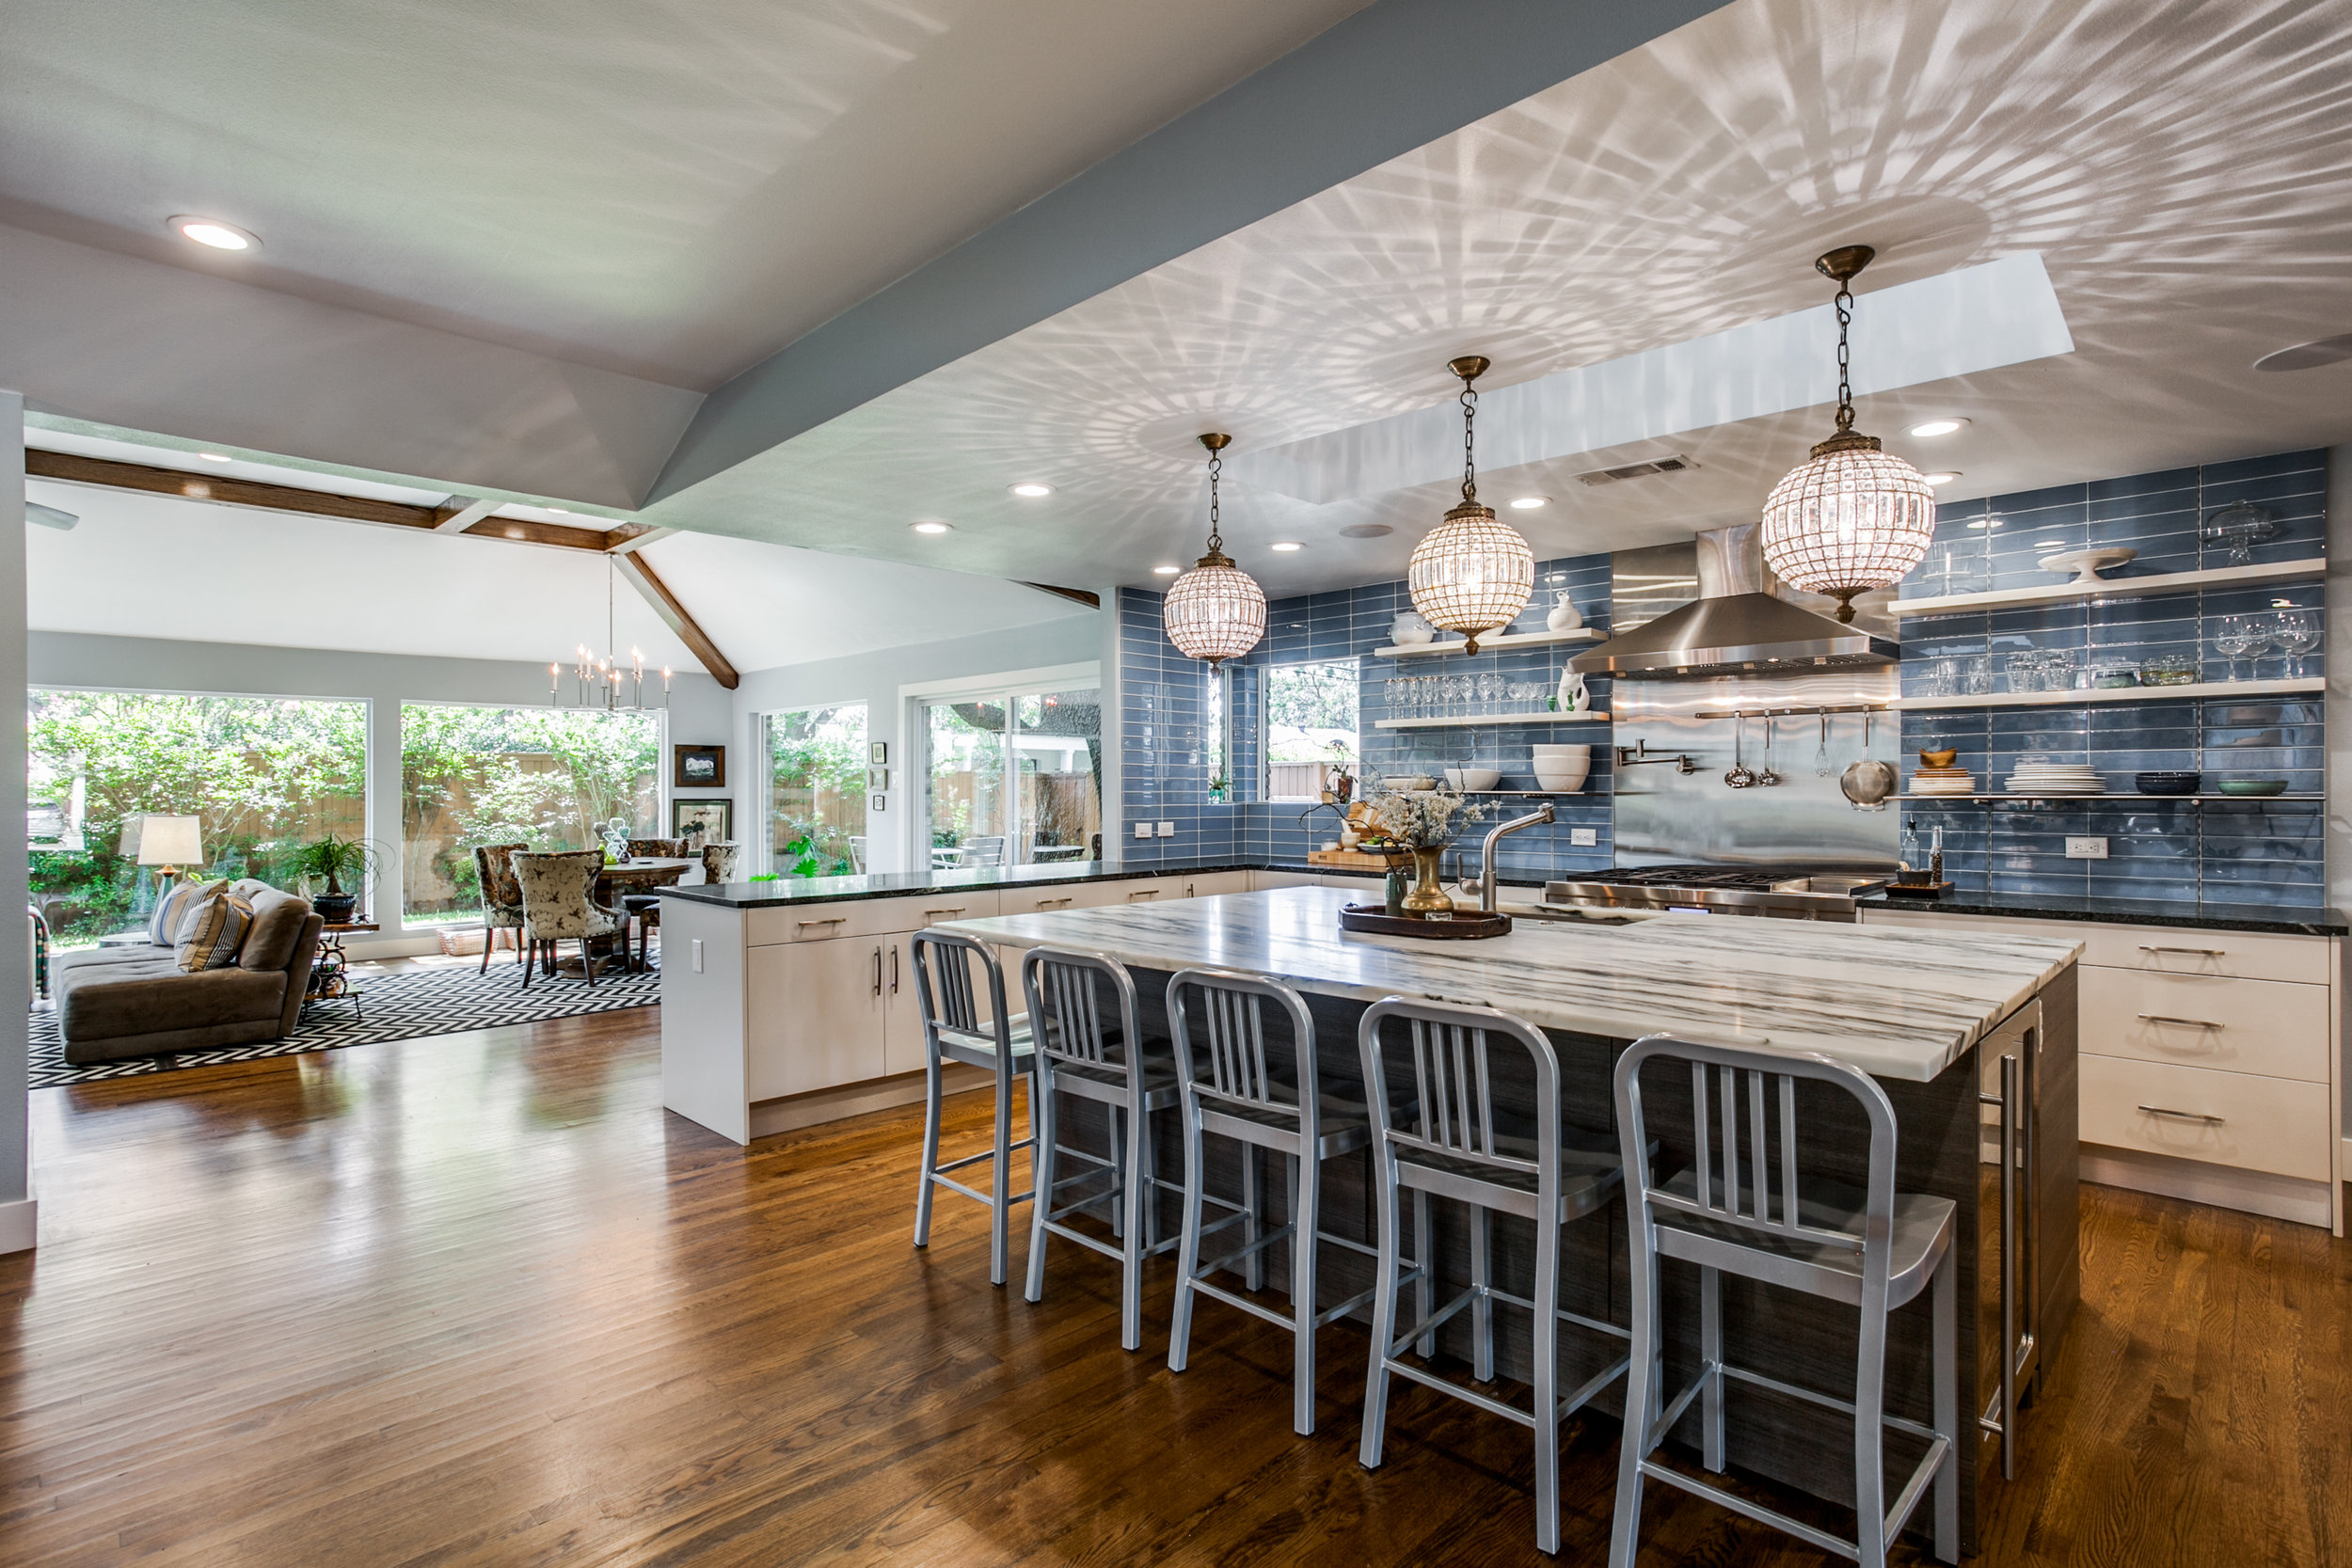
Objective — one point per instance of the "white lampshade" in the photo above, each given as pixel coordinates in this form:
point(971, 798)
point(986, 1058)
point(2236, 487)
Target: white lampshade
point(1847, 519)
point(1471, 574)
point(1215, 612)
point(171, 841)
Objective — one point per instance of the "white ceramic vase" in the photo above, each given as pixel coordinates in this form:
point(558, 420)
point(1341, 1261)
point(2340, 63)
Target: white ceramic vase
point(1411, 630)
point(1563, 616)
point(1574, 698)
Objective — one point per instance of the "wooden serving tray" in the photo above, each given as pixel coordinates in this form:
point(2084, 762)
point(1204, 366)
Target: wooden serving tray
point(1376, 920)
point(1917, 890)
point(1353, 859)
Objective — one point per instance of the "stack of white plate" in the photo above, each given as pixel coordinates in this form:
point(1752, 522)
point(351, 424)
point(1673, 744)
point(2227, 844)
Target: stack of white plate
point(1563, 770)
point(2056, 778)
point(1943, 781)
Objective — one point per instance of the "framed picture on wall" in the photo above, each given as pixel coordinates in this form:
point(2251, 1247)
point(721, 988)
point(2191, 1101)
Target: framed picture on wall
point(878, 778)
point(878, 752)
point(880, 803)
point(698, 767)
point(713, 819)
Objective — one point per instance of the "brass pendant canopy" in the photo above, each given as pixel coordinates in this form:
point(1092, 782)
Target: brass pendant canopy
point(1850, 517)
point(1215, 612)
point(1474, 572)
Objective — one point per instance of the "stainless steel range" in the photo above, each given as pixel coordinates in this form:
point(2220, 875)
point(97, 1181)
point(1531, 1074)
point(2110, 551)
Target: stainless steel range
point(1784, 892)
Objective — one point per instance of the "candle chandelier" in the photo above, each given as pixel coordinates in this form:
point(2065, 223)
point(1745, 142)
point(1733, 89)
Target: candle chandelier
point(1472, 573)
point(1216, 610)
point(1850, 517)
point(604, 680)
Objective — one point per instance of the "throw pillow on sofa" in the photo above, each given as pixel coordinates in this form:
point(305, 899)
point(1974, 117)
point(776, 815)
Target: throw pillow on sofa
point(213, 932)
point(171, 909)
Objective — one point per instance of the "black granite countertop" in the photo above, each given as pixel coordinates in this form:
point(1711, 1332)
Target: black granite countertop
point(897, 884)
point(2127, 912)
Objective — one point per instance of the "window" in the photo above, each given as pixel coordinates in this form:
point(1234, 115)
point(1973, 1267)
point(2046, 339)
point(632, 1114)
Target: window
point(546, 777)
point(1310, 724)
point(1013, 778)
point(816, 790)
point(263, 776)
point(1216, 743)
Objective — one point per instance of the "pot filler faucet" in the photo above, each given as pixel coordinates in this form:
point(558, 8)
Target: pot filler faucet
point(1486, 855)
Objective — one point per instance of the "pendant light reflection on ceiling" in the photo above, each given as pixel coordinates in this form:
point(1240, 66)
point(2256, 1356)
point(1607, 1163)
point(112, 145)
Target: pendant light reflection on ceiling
point(1850, 517)
point(1216, 610)
point(1472, 573)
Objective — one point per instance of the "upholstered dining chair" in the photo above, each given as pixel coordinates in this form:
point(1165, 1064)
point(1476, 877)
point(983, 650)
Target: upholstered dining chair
point(719, 861)
point(557, 907)
point(659, 849)
point(645, 908)
point(502, 897)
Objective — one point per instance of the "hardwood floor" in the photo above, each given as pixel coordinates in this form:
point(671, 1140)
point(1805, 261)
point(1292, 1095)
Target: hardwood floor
point(479, 1300)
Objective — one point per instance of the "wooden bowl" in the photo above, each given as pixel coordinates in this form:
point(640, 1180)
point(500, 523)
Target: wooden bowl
point(1939, 759)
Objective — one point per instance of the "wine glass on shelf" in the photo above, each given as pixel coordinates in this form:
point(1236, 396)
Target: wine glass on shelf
point(2240, 637)
point(2296, 633)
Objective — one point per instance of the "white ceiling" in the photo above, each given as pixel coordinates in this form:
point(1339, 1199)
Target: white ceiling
point(149, 565)
point(669, 190)
point(2183, 181)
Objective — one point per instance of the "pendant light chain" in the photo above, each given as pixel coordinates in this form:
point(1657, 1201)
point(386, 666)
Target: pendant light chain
point(1845, 377)
point(1470, 441)
point(1216, 467)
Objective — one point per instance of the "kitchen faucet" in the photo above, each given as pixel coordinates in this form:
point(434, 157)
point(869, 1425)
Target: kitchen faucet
point(1486, 855)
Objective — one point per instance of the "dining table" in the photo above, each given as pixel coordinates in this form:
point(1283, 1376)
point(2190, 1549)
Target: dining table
point(617, 880)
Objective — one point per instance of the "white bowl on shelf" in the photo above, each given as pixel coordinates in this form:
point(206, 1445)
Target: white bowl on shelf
point(1563, 780)
point(1472, 778)
point(1412, 782)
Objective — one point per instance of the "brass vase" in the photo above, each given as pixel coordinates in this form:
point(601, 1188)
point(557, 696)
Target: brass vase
point(1427, 898)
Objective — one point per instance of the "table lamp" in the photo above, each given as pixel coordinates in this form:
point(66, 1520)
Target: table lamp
point(168, 843)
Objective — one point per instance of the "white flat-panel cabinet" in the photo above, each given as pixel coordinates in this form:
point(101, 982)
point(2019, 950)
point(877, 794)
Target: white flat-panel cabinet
point(814, 1012)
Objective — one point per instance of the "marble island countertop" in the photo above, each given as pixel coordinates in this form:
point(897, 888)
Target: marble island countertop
point(1897, 1004)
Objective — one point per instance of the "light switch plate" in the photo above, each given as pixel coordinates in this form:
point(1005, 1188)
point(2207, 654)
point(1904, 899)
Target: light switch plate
point(1583, 838)
point(1167, 830)
point(2086, 848)
point(1143, 830)
point(698, 955)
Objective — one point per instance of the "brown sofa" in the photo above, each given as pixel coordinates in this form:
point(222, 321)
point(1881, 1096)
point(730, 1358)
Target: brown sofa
point(135, 1001)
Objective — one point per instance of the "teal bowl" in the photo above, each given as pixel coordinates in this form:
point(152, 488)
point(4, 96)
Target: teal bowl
point(2253, 787)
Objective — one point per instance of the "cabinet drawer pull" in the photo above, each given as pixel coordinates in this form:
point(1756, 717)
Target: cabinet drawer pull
point(2199, 952)
point(953, 909)
point(2185, 1115)
point(1051, 903)
point(877, 972)
point(2191, 1022)
point(1143, 893)
point(837, 920)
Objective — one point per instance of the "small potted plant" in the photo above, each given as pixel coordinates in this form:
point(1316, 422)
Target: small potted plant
point(332, 860)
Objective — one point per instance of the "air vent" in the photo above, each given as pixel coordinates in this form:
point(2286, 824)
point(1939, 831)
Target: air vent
point(1637, 470)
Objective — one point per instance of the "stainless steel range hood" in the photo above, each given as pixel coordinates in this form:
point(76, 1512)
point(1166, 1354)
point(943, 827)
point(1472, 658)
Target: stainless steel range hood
point(1735, 626)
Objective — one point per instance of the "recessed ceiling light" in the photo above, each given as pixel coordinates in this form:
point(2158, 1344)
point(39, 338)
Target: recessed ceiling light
point(1528, 503)
point(1286, 545)
point(933, 528)
point(1937, 427)
point(1166, 571)
point(1942, 477)
point(216, 458)
point(1031, 487)
point(212, 232)
point(1366, 530)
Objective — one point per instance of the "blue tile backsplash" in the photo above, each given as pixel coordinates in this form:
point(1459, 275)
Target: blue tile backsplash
point(2171, 850)
point(2263, 851)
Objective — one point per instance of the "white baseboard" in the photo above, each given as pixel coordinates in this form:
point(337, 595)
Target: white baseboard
point(2280, 1198)
point(795, 1112)
point(18, 1230)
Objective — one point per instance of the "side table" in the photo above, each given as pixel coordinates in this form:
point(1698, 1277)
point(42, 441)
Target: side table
point(330, 971)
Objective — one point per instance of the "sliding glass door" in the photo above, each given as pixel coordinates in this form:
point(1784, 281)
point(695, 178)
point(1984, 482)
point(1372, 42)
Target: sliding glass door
point(1013, 777)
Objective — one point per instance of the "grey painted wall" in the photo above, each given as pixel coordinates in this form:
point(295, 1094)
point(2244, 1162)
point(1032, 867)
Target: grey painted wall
point(700, 713)
point(16, 995)
point(876, 679)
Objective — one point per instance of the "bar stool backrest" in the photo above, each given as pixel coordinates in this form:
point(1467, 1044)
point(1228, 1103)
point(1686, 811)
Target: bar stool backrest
point(1756, 1090)
point(1236, 1061)
point(1064, 989)
point(945, 989)
point(1451, 1053)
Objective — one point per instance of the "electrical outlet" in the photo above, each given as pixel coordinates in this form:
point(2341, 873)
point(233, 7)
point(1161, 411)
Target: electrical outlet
point(1143, 830)
point(1167, 830)
point(1583, 838)
point(2086, 848)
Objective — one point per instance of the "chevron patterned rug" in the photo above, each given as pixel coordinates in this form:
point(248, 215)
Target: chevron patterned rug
point(403, 1004)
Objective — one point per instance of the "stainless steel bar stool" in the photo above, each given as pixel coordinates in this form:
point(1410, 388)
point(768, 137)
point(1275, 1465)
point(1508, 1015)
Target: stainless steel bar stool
point(956, 1030)
point(1078, 1054)
point(1264, 1094)
point(1449, 1147)
point(1876, 1249)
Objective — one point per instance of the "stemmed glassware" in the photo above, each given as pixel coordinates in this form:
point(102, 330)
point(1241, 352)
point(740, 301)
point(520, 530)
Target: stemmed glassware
point(2296, 633)
point(2243, 637)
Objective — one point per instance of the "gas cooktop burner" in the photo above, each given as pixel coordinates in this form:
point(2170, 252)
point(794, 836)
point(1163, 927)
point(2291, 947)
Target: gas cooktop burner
point(1792, 892)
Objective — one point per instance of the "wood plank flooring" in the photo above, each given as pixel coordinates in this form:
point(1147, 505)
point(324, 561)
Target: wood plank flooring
point(479, 1300)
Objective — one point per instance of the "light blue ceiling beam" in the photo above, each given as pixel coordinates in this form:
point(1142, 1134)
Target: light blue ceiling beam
point(1394, 76)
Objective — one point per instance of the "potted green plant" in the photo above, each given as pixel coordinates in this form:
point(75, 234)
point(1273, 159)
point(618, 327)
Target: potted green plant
point(332, 860)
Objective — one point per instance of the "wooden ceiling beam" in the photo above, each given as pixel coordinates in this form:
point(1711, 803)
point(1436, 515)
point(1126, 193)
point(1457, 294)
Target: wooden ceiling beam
point(640, 574)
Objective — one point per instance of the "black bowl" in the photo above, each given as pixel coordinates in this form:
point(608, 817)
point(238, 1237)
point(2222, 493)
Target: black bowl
point(2167, 783)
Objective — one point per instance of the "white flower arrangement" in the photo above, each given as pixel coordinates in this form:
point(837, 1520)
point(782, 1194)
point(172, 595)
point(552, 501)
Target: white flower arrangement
point(1422, 818)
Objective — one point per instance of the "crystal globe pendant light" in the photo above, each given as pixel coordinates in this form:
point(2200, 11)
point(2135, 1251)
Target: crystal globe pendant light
point(1850, 517)
point(1472, 573)
point(1216, 610)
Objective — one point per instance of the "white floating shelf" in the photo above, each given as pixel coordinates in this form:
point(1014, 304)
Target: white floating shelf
point(1488, 644)
point(2309, 684)
point(2254, 575)
point(1492, 720)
